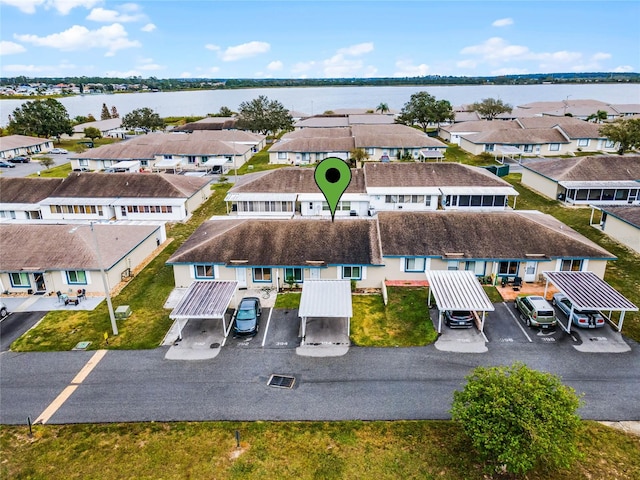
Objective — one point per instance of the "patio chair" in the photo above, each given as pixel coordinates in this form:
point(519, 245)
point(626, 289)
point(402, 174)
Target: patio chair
point(517, 283)
point(82, 294)
point(59, 294)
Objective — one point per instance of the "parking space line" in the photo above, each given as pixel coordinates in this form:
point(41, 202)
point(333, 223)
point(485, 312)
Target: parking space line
point(69, 389)
point(515, 319)
point(266, 329)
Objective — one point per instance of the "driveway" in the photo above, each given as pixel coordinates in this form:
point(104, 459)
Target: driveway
point(14, 325)
point(26, 169)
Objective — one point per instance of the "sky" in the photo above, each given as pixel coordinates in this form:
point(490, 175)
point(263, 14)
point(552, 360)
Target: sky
point(315, 39)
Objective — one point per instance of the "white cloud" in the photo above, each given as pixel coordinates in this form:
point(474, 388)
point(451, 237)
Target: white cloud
point(510, 71)
point(123, 73)
point(467, 64)
point(303, 67)
point(355, 50)
point(246, 50)
point(131, 13)
point(151, 66)
point(503, 22)
point(496, 49)
point(53, 70)
point(407, 69)
point(600, 56)
point(149, 27)
point(10, 48)
point(339, 66)
point(623, 69)
point(210, 46)
point(25, 6)
point(111, 38)
point(275, 66)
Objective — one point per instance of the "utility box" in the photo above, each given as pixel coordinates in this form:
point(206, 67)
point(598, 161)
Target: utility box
point(123, 312)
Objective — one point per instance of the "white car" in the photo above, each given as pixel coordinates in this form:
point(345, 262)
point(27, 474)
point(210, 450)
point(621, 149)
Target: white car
point(3, 310)
point(580, 318)
point(59, 150)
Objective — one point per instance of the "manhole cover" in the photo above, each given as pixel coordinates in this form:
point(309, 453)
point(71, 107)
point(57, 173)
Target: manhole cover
point(82, 346)
point(281, 381)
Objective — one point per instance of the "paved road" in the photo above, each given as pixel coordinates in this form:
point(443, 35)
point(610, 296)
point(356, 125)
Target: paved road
point(25, 169)
point(366, 383)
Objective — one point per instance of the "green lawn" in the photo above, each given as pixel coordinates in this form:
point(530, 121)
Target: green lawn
point(145, 294)
point(60, 171)
point(258, 163)
point(403, 322)
point(283, 450)
point(622, 274)
point(289, 301)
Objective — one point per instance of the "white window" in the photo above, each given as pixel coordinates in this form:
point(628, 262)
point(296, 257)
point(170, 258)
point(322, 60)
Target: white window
point(609, 143)
point(554, 147)
point(571, 265)
point(371, 150)
point(415, 264)
point(261, 274)
point(351, 272)
point(205, 271)
point(583, 142)
point(76, 277)
point(452, 265)
point(528, 148)
point(282, 155)
point(489, 147)
point(293, 275)
point(19, 279)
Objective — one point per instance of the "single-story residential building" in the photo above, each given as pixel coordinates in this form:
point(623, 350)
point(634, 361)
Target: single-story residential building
point(589, 180)
point(622, 224)
point(20, 197)
point(393, 141)
point(259, 252)
point(47, 258)
point(531, 141)
point(14, 145)
point(452, 132)
point(306, 150)
point(101, 196)
point(111, 127)
point(395, 246)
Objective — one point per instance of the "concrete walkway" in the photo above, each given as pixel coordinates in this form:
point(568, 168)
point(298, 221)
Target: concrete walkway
point(46, 303)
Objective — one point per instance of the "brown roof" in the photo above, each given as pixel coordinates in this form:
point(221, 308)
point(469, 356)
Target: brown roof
point(428, 174)
point(482, 235)
point(282, 243)
point(392, 136)
point(590, 168)
point(326, 132)
point(20, 141)
point(628, 214)
point(66, 247)
point(290, 180)
point(518, 137)
point(135, 185)
point(480, 126)
point(314, 144)
point(320, 122)
point(27, 190)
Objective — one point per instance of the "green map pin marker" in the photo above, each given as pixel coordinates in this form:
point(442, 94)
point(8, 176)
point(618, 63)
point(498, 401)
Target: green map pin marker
point(332, 176)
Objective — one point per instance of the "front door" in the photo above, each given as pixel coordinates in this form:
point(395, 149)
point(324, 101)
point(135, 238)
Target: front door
point(41, 286)
point(241, 277)
point(530, 272)
point(314, 274)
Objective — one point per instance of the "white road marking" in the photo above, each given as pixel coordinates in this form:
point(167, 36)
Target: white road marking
point(517, 322)
point(66, 393)
point(266, 328)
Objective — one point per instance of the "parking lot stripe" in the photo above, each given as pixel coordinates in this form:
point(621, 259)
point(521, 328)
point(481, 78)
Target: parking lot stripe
point(517, 322)
point(68, 391)
point(264, 338)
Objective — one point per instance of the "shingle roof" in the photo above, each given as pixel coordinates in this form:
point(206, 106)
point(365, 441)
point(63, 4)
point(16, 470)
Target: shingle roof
point(427, 175)
point(628, 214)
point(480, 126)
point(483, 235)
point(102, 125)
point(314, 144)
point(27, 190)
point(290, 180)
point(392, 136)
point(327, 132)
point(134, 185)
point(66, 247)
point(20, 141)
point(590, 168)
point(518, 137)
point(282, 243)
point(319, 122)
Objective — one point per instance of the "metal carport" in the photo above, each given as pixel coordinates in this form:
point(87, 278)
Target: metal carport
point(325, 299)
point(587, 291)
point(205, 300)
point(458, 290)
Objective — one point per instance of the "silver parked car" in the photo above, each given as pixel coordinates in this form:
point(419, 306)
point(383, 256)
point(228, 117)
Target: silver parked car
point(580, 318)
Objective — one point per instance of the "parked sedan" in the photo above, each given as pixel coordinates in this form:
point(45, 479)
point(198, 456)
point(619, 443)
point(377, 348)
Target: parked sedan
point(248, 317)
point(4, 164)
point(580, 318)
point(458, 318)
point(20, 159)
point(59, 150)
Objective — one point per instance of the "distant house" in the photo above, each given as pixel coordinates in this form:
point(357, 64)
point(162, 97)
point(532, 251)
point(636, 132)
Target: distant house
point(394, 141)
point(217, 151)
point(47, 258)
point(452, 133)
point(582, 135)
point(256, 252)
point(92, 196)
point(14, 145)
point(590, 180)
point(531, 141)
point(622, 224)
point(395, 246)
point(20, 198)
point(111, 127)
point(311, 145)
point(208, 123)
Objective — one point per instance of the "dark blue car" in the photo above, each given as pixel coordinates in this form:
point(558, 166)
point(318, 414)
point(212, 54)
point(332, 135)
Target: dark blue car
point(247, 319)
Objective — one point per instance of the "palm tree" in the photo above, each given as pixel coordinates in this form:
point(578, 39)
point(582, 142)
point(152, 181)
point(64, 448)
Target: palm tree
point(382, 108)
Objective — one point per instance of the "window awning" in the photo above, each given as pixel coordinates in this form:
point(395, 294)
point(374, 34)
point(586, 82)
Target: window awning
point(326, 298)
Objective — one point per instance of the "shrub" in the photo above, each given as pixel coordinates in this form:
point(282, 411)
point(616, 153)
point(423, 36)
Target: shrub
point(518, 419)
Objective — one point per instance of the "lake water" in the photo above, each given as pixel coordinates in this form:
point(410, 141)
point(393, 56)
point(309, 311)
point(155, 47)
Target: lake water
point(315, 100)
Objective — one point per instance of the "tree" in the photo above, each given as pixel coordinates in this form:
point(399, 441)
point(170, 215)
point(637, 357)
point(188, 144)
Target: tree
point(105, 115)
point(625, 132)
point(41, 118)
point(92, 133)
point(143, 118)
point(382, 107)
point(518, 419)
point(264, 116)
point(358, 155)
point(490, 108)
point(46, 162)
point(225, 112)
point(424, 109)
point(114, 112)
point(598, 117)
point(91, 118)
